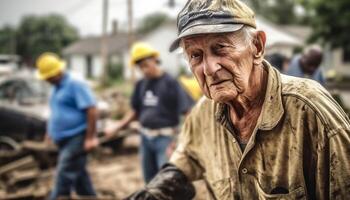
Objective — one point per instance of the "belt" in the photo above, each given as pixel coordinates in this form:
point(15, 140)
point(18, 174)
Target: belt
point(166, 131)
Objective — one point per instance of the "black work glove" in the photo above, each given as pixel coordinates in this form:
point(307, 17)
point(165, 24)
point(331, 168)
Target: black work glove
point(169, 184)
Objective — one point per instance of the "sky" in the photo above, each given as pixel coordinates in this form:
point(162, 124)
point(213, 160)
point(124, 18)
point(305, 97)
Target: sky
point(85, 15)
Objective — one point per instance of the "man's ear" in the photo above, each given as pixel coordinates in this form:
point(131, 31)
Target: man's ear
point(259, 44)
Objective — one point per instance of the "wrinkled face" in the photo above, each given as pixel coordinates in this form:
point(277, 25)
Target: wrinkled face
point(222, 64)
point(148, 67)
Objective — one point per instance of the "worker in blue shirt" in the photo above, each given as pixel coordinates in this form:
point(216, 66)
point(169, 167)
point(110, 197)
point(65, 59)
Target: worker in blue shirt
point(72, 126)
point(308, 65)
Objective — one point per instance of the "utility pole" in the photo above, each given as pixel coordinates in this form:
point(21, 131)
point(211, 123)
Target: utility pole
point(130, 35)
point(104, 47)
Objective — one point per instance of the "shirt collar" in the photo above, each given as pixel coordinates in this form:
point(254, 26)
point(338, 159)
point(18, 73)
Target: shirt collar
point(272, 109)
point(63, 81)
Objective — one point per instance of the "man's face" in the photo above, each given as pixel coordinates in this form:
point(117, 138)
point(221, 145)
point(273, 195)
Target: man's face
point(222, 64)
point(311, 61)
point(55, 80)
point(148, 67)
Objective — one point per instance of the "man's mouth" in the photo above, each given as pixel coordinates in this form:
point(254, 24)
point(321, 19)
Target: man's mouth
point(218, 82)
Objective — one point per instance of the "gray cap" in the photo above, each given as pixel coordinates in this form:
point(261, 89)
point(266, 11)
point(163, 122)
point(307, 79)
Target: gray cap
point(212, 16)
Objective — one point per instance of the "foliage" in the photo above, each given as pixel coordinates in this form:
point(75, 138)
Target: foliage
point(277, 11)
point(38, 34)
point(151, 22)
point(330, 21)
point(114, 75)
point(115, 71)
point(7, 40)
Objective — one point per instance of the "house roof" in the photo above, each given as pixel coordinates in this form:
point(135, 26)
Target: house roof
point(276, 35)
point(302, 32)
point(92, 45)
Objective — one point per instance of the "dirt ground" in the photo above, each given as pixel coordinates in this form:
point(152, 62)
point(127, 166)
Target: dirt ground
point(119, 175)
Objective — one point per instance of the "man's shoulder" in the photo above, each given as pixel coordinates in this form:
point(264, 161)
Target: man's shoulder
point(76, 81)
point(302, 87)
point(204, 107)
point(168, 78)
point(300, 91)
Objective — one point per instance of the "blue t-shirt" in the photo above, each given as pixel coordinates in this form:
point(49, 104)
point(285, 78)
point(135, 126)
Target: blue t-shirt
point(68, 102)
point(160, 102)
point(294, 69)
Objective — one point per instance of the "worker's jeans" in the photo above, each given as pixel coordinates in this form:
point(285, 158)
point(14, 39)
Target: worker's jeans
point(153, 154)
point(71, 169)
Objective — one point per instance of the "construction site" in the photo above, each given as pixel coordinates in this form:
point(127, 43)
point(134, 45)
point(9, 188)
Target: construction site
point(94, 95)
point(27, 166)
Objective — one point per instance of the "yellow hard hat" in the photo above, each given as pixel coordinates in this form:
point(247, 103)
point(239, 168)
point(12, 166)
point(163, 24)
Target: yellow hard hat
point(49, 65)
point(141, 50)
point(191, 86)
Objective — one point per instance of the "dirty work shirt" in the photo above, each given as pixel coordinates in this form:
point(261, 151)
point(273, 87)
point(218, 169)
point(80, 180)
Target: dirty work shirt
point(300, 148)
point(68, 102)
point(160, 102)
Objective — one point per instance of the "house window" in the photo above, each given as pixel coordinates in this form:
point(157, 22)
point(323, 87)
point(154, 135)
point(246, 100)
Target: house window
point(88, 66)
point(346, 55)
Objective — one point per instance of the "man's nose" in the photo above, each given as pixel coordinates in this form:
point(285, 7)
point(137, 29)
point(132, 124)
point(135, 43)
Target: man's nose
point(211, 66)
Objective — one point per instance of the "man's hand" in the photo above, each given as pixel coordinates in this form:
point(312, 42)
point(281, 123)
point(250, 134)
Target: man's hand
point(111, 129)
point(47, 139)
point(169, 184)
point(90, 143)
point(170, 149)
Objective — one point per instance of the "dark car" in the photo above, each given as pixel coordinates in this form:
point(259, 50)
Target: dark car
point(24, 112)
point(23, 108)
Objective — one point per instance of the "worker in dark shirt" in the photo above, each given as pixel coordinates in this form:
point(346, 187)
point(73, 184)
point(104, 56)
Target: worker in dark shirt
point(158, 101)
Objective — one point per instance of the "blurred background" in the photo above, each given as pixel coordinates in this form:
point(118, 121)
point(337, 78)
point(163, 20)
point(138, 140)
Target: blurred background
point(93, 37)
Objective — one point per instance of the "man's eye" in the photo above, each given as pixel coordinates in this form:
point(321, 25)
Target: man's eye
point(220, 46)
point(196, 55)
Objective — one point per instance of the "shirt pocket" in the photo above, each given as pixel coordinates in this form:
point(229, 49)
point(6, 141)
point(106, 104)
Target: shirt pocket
point(222, 189)
point(298, 193)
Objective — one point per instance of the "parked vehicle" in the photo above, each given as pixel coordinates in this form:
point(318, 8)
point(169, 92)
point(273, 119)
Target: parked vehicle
point(24, 112)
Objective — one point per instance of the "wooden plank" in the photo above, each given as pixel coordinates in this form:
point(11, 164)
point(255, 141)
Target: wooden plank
point(19, 176)
point(38, 146)
point(22, 163)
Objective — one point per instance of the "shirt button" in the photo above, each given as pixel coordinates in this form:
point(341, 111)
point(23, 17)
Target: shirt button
point(244, 170)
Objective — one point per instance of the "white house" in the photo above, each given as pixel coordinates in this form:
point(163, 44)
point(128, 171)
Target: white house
point(84, 56)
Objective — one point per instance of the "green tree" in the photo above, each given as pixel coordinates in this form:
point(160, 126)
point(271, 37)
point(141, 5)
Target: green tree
point(330, 21)
point(38, 34)
point(7, 40)
point(277, 11)
point(151, 22)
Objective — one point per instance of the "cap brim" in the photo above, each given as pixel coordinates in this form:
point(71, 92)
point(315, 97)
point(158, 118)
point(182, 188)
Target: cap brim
point(205, 29)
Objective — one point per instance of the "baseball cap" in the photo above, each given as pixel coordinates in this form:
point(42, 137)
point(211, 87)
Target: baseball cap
point(212, 16)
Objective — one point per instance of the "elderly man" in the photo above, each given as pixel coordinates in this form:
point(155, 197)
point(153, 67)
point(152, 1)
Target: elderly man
point(257, 134)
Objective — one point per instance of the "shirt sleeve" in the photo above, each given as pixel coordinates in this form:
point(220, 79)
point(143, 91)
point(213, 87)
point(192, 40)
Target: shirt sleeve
point(332, 173)
point(135, 98)
point(185, 156)
point(333, 169)
point(319, 76)
point(83, 96)
point(185, 102)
